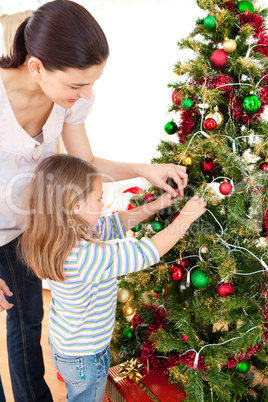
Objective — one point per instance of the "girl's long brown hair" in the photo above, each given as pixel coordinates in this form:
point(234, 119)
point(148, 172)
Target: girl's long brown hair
point(52, 228)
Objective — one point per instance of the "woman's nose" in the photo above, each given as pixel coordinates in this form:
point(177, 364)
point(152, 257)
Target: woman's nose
point(85, 92)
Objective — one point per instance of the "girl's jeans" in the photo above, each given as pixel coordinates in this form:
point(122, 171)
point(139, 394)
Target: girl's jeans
point(24, 328)
point(85, 376)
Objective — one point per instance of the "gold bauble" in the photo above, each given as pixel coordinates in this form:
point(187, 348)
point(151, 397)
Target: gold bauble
point(229, 45)
point(129, 318)
point(128, 310)
point(187, 160)
point(131, 297)
point(123, 295)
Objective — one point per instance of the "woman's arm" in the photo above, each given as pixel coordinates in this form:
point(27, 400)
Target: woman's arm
point(136, 215)
point(76, 143)
point(4, 290)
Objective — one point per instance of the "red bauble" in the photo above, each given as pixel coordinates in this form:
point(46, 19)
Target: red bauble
point(133, 190)
point(207, 166)
point(149, 197)
point(184, 263)
point(225, 289)
point(226, 188)
point(130, 206)
point(176, 97)
point(264, 166)
point(175, 216)
point(219, 58)
point(185, 338)
point(210, 124)
point(177, 273)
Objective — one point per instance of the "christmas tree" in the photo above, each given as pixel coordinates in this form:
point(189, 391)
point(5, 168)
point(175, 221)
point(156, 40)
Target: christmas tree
point(201, 314)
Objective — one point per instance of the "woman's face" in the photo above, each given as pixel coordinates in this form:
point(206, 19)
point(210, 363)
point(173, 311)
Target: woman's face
point(65, 87)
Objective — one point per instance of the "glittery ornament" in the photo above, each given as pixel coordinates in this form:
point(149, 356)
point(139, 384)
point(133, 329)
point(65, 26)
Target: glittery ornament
point(187, 103)
point(157, 226)
point(176, 97)
point(225, 289)
point(229, 45)
point(199, 279)
point(245, 5)
point(123, 295)
point(226, 188)
point(209, 124)
point(243, 367)
point(251, 103)
point(219, 58)
point(187, 160)
point(171, 128)
point(210, 22)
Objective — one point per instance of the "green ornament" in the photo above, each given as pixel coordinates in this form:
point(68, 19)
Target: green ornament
point(251, 103)
point(245, 5)
point(187, 103)
point(199, 279)
point(157, 226)
point(127, 333)
point(243, 367)
point(158, 290)
point(210, 22)
point(171, 127)
point(136, 228)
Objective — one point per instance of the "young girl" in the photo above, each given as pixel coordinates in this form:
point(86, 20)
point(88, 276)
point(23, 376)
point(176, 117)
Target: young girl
point(67, 243)
point(46, 90)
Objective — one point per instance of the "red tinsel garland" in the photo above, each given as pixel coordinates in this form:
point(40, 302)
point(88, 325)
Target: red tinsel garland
point(186, 124)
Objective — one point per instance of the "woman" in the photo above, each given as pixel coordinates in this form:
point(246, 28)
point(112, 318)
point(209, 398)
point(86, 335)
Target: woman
point(46, 90)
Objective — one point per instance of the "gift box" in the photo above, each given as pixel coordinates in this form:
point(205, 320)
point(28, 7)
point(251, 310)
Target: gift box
point(151, 387)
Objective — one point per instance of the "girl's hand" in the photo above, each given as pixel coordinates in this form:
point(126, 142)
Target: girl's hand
point(4, 289)
point(158, 174)
point(193, 209)
point(166, 200)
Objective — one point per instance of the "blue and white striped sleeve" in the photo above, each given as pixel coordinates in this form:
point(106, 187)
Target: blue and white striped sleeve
point(97, 262)
point(110, 227)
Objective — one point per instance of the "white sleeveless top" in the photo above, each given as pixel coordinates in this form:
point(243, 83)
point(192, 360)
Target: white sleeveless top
point(20, 154)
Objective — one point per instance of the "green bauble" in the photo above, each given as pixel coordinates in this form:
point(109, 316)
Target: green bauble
point(136, 228)
point(171, 127)
point(127, 333)
point(187, 103)
point(243, 367)
point(199, 279)
point(245, 5)
point(251, 103)
point(157, 226)
point(210, 22)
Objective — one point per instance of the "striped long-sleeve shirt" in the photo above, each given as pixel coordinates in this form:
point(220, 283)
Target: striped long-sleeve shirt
point(82, 310)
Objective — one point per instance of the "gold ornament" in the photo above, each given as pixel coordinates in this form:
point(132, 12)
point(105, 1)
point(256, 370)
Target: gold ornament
point(128, 309)
point(216, 115)
point(130, 369)
point(129, 318)
point(123, 295)
point(229, 45)
point(187, 160)
point(131, 297)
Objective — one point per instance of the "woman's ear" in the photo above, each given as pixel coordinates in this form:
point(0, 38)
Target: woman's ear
point(35, 67)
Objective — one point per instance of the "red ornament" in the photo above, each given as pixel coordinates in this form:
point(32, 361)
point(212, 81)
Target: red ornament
point(177, 273)
point(185, 338)
point(226, 188)
point(176, 97)
point(175, 216)
point(207, 166)
point(264, 166)
point(184, 263)
point(133, 190)
point(210, 124)
point(149, 197)
point(225, 289)
point(219, 58)
point(130, 206)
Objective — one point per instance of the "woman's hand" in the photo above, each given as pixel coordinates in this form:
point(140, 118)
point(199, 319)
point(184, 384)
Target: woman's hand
point(4, 290)
point(158, 174)
point(193, 209)
point(165, 201)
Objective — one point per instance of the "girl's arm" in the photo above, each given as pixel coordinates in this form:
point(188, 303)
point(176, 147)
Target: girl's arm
point(136, 215)
point(168, 237)
point(76, 143)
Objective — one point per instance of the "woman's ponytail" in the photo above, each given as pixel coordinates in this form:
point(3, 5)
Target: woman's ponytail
point(18, 50)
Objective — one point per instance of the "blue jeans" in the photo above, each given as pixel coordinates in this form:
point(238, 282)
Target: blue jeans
point(2, 395)
point(24, 328)
point(85, 376)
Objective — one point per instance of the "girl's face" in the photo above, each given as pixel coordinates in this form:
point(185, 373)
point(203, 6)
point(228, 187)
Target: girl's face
point(90, 208)
point(65, 87)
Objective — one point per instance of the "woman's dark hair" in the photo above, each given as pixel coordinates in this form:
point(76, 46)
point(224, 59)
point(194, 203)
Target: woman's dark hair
point(61, 34)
